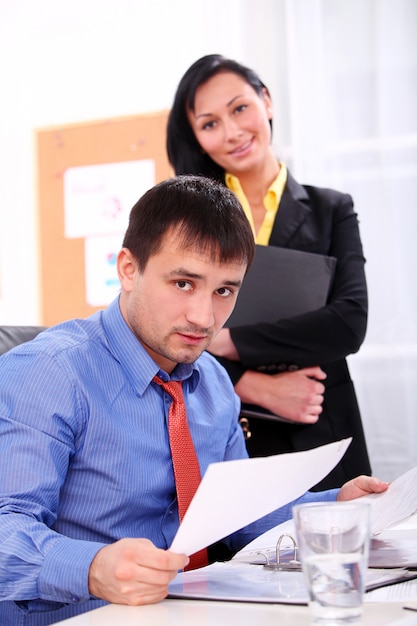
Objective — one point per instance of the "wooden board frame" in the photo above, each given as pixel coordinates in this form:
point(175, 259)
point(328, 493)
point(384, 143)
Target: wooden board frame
point(62, 263)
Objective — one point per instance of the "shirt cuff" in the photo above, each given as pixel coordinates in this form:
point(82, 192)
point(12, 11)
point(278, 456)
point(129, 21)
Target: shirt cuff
point(329, 495)
point(63, 576)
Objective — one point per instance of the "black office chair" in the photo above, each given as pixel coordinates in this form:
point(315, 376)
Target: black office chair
point(11, 336)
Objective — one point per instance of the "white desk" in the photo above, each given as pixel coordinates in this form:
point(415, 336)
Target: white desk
point(208, 613)
point(212, 613)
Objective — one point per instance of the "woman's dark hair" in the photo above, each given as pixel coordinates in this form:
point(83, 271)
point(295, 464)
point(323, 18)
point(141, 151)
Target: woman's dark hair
point(205, 215)
point(184, 151)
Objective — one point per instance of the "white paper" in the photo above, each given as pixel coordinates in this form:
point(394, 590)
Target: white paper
point(395, 504)
point(240, 582)
point(98, 198)
point(101, 280)
point(233, 494)
point(389, 510)
point(404, 592)
point(265, 544)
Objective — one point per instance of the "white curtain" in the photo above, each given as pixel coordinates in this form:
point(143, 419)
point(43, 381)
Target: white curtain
point(347, 119)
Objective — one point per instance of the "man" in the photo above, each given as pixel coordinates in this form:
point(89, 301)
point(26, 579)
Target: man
point(88, 505)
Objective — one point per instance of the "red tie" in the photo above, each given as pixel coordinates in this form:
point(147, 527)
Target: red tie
point(184, 457)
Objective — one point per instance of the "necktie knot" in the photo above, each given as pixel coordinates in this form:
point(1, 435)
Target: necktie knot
point(173, 387)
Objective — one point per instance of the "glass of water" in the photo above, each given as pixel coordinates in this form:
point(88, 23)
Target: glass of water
point(333, 540)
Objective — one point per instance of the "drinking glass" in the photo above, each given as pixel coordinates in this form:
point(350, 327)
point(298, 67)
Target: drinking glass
point(333, 540)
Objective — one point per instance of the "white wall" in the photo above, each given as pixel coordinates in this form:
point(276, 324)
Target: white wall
point(343, 77)
point(64, 62)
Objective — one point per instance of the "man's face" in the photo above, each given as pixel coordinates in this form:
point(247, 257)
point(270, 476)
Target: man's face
point(180, 301)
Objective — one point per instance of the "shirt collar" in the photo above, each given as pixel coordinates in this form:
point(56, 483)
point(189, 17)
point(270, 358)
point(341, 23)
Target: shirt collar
point(138, 365)
point(271, 201)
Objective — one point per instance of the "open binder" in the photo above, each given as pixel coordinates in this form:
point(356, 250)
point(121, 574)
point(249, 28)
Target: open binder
point(268, 568)
point(271, 576)
point(281, 283)
point(237, 582)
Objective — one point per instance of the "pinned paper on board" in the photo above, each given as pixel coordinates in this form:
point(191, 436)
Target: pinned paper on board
point(98, 198)
point(97, 201)
point(90, 175)
point(101, 280)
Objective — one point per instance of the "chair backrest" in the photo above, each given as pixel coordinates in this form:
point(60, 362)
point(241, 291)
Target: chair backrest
point(11, 336)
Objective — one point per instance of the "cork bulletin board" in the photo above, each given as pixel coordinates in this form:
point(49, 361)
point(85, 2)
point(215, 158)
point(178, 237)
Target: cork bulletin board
point(107, 148)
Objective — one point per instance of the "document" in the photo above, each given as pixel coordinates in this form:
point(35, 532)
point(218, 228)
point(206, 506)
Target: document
point(239, 582)
point(251, 577)
point(233, 494)
point(396, 593)
point(390, 512)
point(395, 504)
point(391, 549)
point(281, 283)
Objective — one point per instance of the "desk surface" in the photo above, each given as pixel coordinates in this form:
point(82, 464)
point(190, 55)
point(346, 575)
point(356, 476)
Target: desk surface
point(207, 613)
point(211, 613)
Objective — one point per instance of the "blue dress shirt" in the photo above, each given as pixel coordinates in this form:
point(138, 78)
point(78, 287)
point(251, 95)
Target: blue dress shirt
point(85, 458)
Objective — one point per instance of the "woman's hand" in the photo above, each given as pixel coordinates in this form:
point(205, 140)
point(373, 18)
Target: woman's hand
point(297, 396)
point(222, 345)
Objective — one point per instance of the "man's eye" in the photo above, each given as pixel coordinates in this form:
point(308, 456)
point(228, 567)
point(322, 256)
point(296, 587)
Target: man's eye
point(184, 285)
point(224, 292)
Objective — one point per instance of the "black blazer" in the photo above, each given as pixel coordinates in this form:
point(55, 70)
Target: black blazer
point(322, 221)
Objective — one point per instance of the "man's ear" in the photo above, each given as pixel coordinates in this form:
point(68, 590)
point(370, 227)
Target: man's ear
point(126, 269)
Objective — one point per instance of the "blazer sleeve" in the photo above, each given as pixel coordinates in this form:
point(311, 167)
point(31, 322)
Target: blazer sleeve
point(333, 331)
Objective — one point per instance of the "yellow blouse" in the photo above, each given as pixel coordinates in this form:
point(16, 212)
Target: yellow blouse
point(271, 202)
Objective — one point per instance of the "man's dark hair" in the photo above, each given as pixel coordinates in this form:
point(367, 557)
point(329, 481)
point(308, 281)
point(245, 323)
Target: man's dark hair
point(204, 213)
point(184, 151)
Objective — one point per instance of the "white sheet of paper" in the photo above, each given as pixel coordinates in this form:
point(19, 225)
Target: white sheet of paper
point(101, 280)
point(233, 494)
point(395, 504)
point(98, 198)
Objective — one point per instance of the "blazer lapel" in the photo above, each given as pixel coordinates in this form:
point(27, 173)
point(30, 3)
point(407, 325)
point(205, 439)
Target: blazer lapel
point(293, 210)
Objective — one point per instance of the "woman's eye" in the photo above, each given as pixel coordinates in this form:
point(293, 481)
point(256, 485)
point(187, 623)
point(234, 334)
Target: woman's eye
point(209, 125)
point(240, 108)
point(184, 285)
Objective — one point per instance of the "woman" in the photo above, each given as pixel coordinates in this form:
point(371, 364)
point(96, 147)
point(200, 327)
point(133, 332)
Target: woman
point(220, 126)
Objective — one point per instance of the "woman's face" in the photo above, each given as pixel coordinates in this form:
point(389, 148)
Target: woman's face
point(231, 123)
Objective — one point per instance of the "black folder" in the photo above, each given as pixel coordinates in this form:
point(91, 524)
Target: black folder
point(281, 283)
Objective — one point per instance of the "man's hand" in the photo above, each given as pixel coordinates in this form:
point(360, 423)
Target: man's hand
point(297, 396)
point(361, 486)
point(133, 571)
